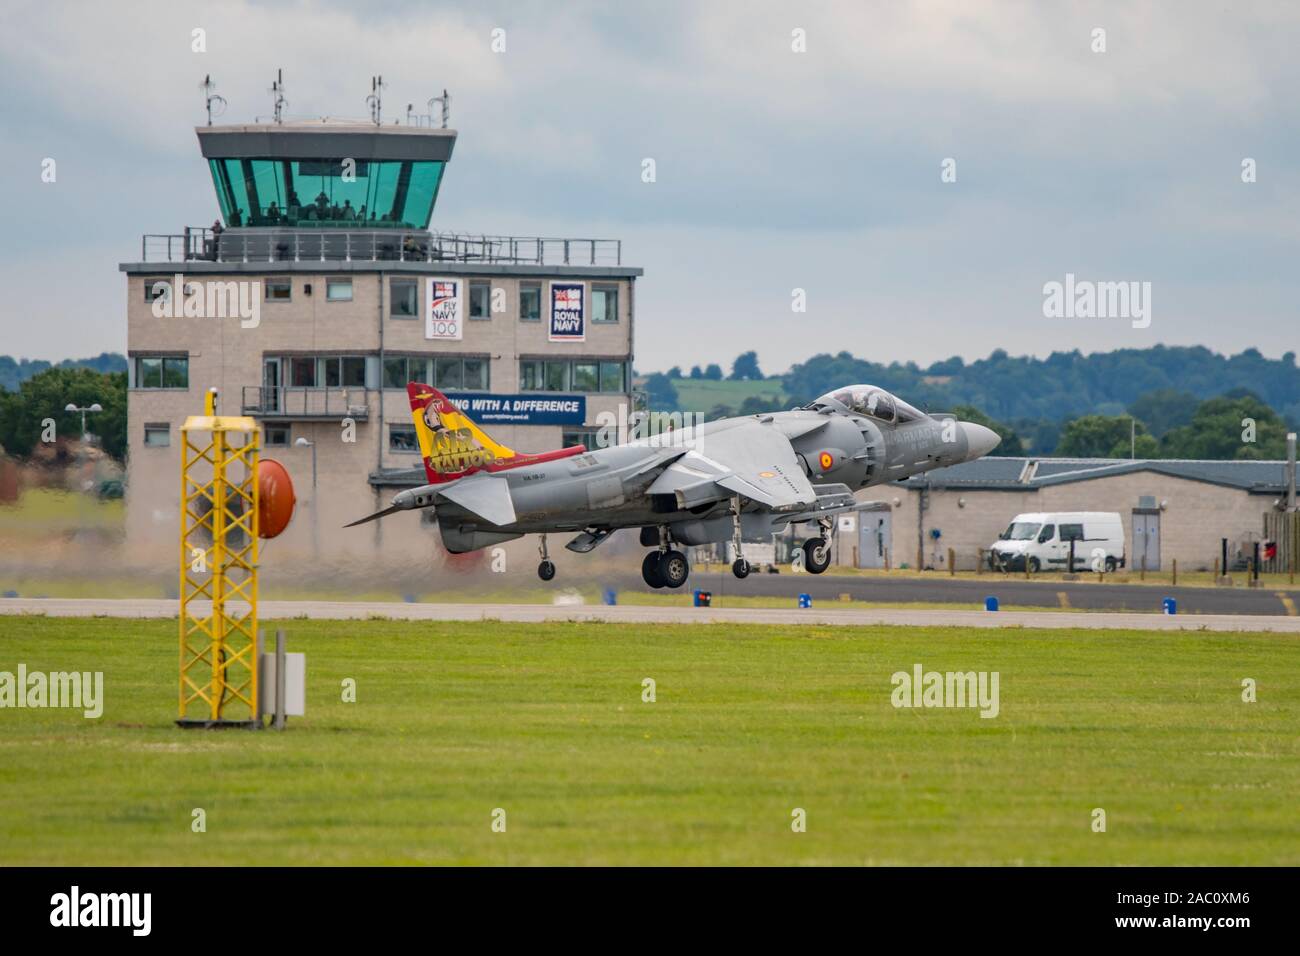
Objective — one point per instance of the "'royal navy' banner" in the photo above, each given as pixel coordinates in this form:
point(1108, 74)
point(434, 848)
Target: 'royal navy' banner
point(443, 318)
point(531, 409)
point(568, 312)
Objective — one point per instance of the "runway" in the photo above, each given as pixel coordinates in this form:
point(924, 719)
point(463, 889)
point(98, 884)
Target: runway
point(630, 614)
point(1086, 594)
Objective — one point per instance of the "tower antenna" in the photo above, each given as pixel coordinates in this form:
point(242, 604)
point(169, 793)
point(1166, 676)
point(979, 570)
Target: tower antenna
point(376, 99)
point(445, 101)
point(215, 105)
point(277, 89)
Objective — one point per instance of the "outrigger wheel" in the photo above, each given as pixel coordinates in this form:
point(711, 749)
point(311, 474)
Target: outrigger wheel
point(545, 570)
point(740, 568)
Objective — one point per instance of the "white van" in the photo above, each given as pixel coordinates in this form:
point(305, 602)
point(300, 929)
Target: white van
point(1042, 541)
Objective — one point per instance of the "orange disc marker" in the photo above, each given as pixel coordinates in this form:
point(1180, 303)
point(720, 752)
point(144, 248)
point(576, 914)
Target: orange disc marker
point(275, 500)
point(826, 461)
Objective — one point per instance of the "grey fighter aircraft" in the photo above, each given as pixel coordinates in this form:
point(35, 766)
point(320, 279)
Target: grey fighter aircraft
point(729, 480)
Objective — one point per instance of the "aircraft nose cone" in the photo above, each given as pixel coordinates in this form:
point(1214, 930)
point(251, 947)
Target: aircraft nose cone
point(979, 440)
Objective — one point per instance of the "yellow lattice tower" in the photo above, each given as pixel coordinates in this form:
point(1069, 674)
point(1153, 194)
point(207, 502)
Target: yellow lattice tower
point(219, 526)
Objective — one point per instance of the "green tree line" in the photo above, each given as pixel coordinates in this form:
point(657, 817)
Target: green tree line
point(43, 396)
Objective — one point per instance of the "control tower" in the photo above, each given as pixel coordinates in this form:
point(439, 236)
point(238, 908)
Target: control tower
point(284, 188)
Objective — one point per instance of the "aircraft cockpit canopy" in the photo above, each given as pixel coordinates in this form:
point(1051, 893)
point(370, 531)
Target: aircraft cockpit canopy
point(870, 401)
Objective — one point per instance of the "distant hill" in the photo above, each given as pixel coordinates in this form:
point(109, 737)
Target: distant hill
point(1063, 385)
point(1161, 386)
point(13, 372)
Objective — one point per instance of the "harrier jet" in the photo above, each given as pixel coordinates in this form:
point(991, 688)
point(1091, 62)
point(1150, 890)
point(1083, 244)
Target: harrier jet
point(733, 479)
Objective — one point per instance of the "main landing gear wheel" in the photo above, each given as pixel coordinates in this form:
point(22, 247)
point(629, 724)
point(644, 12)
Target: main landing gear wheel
point(740, 568)
point(650, 569)
point(816, 555)
point(673, 569)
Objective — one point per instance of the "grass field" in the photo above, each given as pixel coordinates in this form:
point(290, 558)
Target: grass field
point(701, 394)
point(547, 722)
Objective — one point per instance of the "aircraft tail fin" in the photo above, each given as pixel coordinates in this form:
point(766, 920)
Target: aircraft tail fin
point(451, 444)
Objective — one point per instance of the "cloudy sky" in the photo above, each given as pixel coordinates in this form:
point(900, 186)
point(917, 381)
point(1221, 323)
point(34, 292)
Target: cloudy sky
point(776, 169)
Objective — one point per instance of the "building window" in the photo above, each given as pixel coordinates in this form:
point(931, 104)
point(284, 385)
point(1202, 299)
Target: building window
point(557, 377)
point(480, 300)
point(338, 290)
point(302, 372)
point(401, 438)
point(158, 287)
point(162, 371)
point(401, 369)
point(586, 376)
point(579, 375)
point(157, 435)
point(447, 373)
point(278, 290)
point(579, 436)
point(530, 376)
point(405, 298)
point(475, 374)
point(604, 303)
point(275, 436)
point(611, 377)
point(530, 303)
point(394, 373)
point(347, 371)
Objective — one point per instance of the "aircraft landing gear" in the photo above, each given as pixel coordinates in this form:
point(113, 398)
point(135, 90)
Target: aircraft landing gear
point(817, 551)
point(674, 569)
point(650, 569)
point(740, 567)
point(546, 569)
point(666, 567)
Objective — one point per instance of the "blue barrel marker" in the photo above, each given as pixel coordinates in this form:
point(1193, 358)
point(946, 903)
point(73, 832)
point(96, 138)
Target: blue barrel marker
point(990, 603)
point(805, 600)
point(703, 598)
point(610, 596)
point(1171, 605)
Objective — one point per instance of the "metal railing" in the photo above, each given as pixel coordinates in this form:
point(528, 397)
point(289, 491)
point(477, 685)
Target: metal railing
point(374, 245)
point(296, 401)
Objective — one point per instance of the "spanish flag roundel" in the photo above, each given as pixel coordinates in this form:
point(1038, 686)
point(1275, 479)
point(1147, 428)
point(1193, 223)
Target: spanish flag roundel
point(826, 460)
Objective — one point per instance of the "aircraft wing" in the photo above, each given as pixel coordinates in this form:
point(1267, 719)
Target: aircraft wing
point(753, 459)
point(489, 498)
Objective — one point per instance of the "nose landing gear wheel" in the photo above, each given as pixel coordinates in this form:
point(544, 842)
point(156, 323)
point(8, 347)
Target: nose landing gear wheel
point(816, 555)
point(673, 569)
point(650, 569)
point(546, 570)
point(740, 568)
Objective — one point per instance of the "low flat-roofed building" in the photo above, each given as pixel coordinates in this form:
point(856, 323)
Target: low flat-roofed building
point(1170, 509)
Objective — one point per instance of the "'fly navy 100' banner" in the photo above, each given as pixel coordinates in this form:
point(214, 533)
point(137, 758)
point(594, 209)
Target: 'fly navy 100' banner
point(443, 318)
point(568, 321)
point(532, 409)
